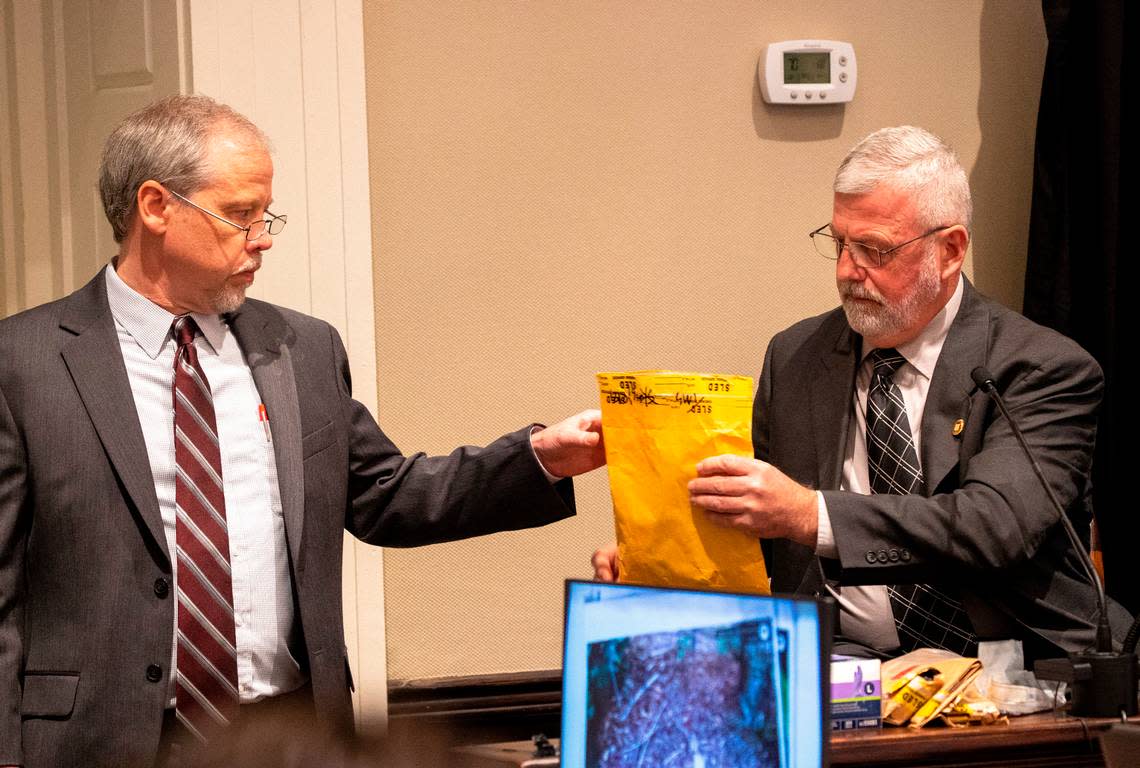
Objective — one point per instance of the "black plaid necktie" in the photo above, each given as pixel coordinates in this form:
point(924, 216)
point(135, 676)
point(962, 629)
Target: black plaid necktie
point(924, 616)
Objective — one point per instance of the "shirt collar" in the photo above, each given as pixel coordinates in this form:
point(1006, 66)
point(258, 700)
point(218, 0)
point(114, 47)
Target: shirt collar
point(923, 350)
point(149, 324)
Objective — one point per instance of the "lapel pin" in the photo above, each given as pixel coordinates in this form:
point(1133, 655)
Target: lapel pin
point(959, 425)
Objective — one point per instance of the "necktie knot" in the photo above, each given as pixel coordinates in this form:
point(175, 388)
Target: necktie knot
point(185, 329)
point(885, 361)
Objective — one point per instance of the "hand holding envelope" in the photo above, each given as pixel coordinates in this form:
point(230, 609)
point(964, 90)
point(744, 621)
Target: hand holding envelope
point(659, 426)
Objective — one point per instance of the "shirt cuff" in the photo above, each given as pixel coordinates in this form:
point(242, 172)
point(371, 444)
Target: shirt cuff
point(824, 537)
point(550, 477)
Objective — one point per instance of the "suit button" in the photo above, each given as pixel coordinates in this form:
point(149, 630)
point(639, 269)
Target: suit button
point(870, 557)
point(882, 556)
point(161, 587)
point(904, 555)
point(154, 673)
point(893, 555)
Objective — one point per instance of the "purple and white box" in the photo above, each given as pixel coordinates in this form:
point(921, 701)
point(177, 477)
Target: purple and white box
point(856, 693)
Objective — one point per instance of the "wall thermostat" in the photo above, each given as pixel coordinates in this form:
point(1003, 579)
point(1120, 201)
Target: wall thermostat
point(807, 72)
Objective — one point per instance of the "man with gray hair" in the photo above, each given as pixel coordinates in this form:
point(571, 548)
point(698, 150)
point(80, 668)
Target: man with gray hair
point(178, 465)
point(882, 475)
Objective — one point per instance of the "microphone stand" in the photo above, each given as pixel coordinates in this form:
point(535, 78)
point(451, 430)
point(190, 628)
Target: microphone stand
point(1103, 681)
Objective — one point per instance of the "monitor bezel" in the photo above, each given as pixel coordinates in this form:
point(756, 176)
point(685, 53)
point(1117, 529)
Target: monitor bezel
point(825, 612)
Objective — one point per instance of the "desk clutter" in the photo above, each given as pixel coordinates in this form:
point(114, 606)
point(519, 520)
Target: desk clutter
point(928, 685)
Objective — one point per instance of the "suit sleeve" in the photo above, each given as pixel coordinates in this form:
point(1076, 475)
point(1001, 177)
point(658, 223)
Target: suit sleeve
point(997, 514)
point(403, 501)
point(13, 534)
point(761, 440)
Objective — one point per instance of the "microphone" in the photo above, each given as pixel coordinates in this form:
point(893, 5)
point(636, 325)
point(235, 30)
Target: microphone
point(985, 382)
point(1098, 696)
point(983, 379)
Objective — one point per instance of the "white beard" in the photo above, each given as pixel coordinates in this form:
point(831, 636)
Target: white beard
point(228, 300)
point(882, 319)
point(230, 297)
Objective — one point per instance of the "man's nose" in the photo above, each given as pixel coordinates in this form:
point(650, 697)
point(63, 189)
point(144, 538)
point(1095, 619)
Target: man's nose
point(846, 268)
point(263, 243)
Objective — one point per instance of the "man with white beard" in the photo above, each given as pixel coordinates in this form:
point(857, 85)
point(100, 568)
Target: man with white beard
point(882, 476)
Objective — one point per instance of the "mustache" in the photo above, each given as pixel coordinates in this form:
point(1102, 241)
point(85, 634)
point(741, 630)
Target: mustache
point(849, 289)
point(252, 264)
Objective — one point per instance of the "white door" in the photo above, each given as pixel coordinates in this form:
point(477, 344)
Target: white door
point(76, 68)
point(117, 57)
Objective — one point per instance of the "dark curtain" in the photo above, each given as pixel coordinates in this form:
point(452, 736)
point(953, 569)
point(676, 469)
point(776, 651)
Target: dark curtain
point(1076, 265)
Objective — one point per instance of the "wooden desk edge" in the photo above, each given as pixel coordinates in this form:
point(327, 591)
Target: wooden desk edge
point(1028, 731)
point(903, 745)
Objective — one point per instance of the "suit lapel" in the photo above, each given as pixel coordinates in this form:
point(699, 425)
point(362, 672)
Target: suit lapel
point(264, 337)
point(95, 362)
point(831, 387)
point(948, 399)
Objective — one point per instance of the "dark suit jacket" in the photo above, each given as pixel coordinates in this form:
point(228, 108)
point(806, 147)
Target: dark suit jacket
point(984, 523)
point(84, 566)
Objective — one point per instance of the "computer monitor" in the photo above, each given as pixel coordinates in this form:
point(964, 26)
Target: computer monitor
point(664, 677)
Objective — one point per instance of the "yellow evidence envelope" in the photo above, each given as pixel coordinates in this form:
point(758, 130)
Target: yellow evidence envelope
point(657, 426)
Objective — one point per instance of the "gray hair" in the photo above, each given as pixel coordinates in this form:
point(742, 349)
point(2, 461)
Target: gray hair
point(913, 161)
point(165, 142)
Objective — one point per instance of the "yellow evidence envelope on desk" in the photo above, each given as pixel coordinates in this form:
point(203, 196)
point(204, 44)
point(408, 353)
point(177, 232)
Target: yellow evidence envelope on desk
point(657, 426)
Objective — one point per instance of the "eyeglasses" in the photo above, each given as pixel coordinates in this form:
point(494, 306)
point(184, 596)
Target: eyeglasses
point(866, 256)
point(255, 229)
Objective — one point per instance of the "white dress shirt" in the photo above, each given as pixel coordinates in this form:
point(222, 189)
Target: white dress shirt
point(259, 559)
point(865, 611)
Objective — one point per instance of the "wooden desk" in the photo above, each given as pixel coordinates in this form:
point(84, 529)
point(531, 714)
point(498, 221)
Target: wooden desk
point(1031, 741)
point(1043, 739)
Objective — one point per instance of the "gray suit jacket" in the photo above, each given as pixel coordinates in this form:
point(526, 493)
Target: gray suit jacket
point(984, 524)
point(85, 601)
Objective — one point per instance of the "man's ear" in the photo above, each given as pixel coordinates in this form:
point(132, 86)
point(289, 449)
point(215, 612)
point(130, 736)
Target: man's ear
point(955, 241)
point(153, 207)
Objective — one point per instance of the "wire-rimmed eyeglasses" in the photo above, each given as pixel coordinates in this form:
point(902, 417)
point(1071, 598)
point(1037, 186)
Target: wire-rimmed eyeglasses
point(831, 247)
point(273, 224)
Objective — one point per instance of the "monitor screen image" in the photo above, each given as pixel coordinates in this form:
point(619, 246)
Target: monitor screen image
point(669, 677)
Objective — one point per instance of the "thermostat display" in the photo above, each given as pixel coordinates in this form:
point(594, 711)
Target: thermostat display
point(807, 72)
point(801, 68)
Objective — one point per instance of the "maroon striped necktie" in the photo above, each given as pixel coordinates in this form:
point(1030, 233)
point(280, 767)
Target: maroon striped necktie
point(206, 687)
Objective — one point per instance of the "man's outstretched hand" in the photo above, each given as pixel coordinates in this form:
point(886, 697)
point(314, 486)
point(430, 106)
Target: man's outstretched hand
point(572, 446)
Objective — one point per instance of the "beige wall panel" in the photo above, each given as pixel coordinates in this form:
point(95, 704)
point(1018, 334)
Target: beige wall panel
point(36, 194)
point(296, 70)
point(121, 44)
point(10, 224)
point(562, 188)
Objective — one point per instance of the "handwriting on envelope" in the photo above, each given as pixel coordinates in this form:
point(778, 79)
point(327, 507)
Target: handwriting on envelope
point(658, 425)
